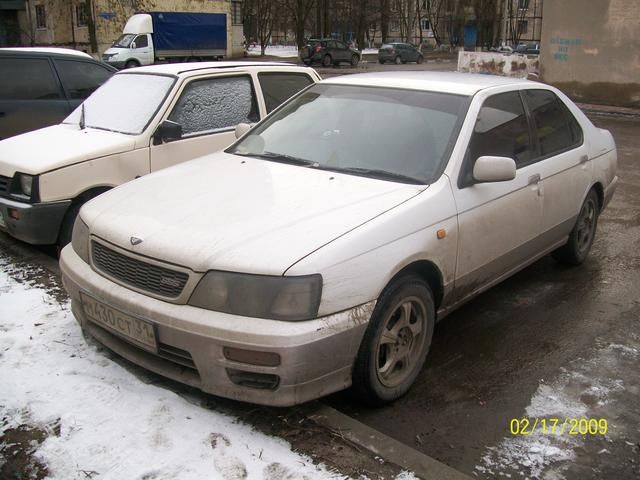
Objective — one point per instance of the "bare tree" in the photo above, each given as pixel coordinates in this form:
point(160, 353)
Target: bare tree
point(259, 15)
point(434, 13)
point(299, 11)
point(517, 14)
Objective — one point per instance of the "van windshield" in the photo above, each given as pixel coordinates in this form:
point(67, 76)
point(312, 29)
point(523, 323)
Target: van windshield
point(124, 41)
point(126, 103)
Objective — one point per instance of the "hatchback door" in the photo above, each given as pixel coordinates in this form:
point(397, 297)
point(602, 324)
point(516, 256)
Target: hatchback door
point(499, 223)
point(208, 110)
point(31, 96)
point(562, 161)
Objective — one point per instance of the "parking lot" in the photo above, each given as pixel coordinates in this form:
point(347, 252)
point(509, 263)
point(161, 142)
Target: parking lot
point(551, 342)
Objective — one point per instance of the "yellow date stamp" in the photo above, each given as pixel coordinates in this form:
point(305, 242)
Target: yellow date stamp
point(559, 426)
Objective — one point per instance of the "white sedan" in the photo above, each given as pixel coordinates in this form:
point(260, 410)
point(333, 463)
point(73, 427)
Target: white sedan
point(318, 251)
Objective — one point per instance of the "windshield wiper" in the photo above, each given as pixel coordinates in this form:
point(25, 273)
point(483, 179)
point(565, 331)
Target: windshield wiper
point(81, 123)
point(376, 173)
point(279, 157)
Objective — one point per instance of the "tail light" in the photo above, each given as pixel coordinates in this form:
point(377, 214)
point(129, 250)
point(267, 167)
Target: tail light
point(318, 48)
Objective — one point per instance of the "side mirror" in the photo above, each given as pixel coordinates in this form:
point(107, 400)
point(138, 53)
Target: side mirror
point(133, 45)
point(242, 128)
point(167, 131)
point(494, 169)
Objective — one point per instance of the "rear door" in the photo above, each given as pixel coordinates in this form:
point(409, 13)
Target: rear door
point(208, 109)
point(31, 96)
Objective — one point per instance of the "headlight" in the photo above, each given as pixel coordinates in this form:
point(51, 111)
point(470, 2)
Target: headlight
point(262, 296)
point(80, 239)
point(23, 185)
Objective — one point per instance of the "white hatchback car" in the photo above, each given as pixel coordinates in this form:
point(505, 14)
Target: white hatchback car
point(140, 121)
point(318, 251)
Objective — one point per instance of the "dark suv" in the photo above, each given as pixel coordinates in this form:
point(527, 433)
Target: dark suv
point(399, 53)
point(328, 51)
point(41, 86)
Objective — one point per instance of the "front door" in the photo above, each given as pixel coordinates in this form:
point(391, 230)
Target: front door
point(498, 222)
point(208, 109)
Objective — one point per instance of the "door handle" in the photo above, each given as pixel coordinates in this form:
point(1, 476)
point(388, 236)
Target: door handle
point(584, 159)
point(533, 179)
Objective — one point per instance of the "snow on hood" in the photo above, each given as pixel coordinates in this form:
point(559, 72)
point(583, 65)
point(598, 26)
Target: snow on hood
point(241, 214)
point(57, 146)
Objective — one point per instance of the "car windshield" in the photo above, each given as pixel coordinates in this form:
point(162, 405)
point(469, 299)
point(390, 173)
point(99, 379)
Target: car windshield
point(125, 103)
point(124, 41)
point(394, 134)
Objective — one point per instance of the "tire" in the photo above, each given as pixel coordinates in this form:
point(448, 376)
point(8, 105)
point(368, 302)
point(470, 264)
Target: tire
point(396, 342)
point(380, 61)
point(354, 60)
point(307, 62)
point(66, 229)
point(398, 60)
point(575, 251)
point(131, 64)
point(420, 59)
point(327, 61)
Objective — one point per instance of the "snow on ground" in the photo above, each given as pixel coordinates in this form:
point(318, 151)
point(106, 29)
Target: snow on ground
point(588, 389)
point(292, 51)
point(111, 424)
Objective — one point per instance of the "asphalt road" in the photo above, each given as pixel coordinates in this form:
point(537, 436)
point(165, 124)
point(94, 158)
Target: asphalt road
point(551, 341)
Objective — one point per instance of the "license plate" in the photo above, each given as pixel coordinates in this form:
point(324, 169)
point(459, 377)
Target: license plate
point(2, 224)
point(133, 329)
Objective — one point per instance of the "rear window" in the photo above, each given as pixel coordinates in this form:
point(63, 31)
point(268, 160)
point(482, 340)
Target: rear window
point(278, 87)
point(27, 79)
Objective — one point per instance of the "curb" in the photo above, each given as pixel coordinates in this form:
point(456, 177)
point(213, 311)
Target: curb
point(382, 445)
point(609, 110)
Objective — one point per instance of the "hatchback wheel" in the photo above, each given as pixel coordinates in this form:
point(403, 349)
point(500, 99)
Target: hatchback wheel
point(420, 59)
point(354, 60)
point(326, 61)
point(398, 60)
point(575, 251)
point(396, 342)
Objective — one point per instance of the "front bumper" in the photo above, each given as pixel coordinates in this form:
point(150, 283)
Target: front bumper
point(37, 223)
point(316, 356)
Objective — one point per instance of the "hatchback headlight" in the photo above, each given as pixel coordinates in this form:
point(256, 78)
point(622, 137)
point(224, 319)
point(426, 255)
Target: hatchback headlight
point(80, 239)
point(262, 296)
point(23, 185)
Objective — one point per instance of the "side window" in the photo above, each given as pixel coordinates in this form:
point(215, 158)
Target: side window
point(215, 103)
point(27, 79)
point(141, 41)
point(556, 128)
point(277, 87)
point(341, 45)
point(502, 130)
point(331, 44)
point(80, 79)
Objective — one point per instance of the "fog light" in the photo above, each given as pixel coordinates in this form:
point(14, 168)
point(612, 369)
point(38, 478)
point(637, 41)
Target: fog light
point(14, 213)
point(252, 357)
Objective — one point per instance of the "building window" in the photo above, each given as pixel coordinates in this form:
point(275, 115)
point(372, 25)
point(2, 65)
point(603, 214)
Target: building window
point(236, 13)
point(82, 14)
point(523, 4)
point(523, 26)
point(424, 24)
point(395, 25)
point(41, 17)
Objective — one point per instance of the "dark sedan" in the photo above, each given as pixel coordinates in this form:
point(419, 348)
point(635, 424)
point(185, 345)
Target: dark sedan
point(399, 53)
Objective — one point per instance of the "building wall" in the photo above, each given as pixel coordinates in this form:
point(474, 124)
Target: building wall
point(110, 17)
point(594, 56)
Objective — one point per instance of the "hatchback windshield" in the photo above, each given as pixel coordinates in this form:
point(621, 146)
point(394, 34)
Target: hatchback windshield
point(124, 41)
point(125, 103)
point(393, 134)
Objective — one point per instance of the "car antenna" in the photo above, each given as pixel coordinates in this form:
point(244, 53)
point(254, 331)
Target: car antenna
point(81, 122)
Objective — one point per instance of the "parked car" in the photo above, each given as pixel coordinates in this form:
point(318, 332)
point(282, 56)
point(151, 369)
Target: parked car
point(140, 121)
point(41, 86)
point(328, 52)
point(502, 49)
point(399, 53)
point(528, 48)
point(319, 250)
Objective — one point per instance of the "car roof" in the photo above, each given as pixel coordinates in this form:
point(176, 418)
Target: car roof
point(199, 67)
point(447, 82)
point(48, 50)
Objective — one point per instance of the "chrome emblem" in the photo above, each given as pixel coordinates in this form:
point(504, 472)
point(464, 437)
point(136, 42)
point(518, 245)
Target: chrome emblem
point(135, 240)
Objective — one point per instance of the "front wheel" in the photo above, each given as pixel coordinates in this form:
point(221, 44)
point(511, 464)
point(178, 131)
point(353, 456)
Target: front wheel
point(354, 60)
point(131, 64)
point(398, 60)
point(575, 251)
point(327, 61)
point(420, 59)
point(396, 343)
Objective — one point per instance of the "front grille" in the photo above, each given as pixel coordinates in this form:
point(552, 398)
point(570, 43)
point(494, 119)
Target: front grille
point(4, 185)
point(138, 274)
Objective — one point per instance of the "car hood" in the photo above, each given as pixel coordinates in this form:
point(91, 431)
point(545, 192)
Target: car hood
point(57, 146)
point(236, 213)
